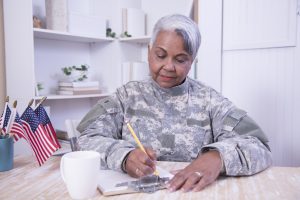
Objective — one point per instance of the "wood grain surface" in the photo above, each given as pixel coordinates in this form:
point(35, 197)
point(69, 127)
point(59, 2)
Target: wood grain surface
point(29, 181)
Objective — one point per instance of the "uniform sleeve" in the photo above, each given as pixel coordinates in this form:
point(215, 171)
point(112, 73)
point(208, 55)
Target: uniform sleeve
point(240, 141)
point(101, 131)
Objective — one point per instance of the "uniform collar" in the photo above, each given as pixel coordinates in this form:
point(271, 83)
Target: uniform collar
point(174, 91)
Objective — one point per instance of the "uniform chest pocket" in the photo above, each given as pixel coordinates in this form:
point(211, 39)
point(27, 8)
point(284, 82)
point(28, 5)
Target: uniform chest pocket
point(198, 126)
point(196, 133)
point(144, 123)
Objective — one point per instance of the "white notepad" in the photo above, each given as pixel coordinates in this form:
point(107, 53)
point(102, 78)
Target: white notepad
point(109, 178)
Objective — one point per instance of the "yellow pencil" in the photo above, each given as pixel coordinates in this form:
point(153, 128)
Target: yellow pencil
point(138, 143)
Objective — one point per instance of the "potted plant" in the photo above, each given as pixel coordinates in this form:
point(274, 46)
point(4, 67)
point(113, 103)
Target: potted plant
point(76, 73)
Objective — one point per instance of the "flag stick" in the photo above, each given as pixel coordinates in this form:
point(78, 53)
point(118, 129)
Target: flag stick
point(42, 101)
point(30, 103)
point(12, 118)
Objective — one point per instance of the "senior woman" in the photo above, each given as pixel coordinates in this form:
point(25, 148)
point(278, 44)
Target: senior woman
point(176, 118)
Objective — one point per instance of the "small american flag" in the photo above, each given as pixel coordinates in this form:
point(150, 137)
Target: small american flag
point(6, 119)
point(40, 141)
point(45, 120)
point(17, 127)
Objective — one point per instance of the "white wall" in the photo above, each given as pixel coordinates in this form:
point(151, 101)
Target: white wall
point(250, 52)
point(157, 8)
point(209, 70)
point(260, 69)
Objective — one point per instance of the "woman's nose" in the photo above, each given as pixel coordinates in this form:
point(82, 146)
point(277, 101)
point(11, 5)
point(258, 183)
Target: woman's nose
point(169, 65)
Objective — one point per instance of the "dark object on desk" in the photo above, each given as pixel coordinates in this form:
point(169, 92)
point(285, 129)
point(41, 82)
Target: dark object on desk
point(62, 135)
point(146, 184)
point(74, 144)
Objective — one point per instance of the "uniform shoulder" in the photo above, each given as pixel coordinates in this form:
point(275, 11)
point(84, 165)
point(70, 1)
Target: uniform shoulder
point(203, 90)
point(198, 85)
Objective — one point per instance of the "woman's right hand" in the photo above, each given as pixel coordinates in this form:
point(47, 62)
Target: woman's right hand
point(139, 164)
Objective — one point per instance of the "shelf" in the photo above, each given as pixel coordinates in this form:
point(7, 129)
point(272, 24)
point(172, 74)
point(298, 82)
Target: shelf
point(141, 40)
point(59, 35)
point(57, 97)
point(65, 36)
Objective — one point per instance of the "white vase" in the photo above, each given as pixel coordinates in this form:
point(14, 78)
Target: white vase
point(57, 14)
point(77, 75)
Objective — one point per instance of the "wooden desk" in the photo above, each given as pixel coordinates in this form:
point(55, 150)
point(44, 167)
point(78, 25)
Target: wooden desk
point(28, 181)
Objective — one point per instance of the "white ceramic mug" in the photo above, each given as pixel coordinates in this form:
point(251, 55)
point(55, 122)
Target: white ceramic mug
point(79, 170)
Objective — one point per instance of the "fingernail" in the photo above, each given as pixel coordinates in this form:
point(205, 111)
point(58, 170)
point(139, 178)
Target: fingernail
point(184, 190)
point(171, 189)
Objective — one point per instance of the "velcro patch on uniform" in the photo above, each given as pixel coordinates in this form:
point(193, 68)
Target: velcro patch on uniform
point(233, 119)
point(202, 123)
point(108, 104)
point(238, 114)
point(139, 112)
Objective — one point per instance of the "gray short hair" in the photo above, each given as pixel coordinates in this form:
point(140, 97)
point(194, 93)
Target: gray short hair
point(182, 25)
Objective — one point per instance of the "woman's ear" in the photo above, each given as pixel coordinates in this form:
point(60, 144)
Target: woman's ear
point(149, 48)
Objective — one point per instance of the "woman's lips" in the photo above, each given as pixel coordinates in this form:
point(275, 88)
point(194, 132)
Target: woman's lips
point(166, 78)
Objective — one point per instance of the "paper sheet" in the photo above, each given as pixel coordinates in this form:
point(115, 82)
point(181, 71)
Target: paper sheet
point(109, 178)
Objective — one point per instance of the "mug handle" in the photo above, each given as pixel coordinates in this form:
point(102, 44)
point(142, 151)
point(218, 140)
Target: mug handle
point(62, 168)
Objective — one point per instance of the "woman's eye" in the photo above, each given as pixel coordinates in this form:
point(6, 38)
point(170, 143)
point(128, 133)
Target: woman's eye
point(161, 56)
point(180, 60)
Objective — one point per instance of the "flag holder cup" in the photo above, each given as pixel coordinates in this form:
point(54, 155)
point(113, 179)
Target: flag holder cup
point(6, 153)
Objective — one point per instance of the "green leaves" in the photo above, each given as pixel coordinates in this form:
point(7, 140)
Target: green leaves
point(109, 33)
point(74, 70)
point(127, 34)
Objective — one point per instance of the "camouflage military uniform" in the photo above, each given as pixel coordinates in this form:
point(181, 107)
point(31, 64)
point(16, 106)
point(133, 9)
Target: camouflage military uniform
point(178, 123)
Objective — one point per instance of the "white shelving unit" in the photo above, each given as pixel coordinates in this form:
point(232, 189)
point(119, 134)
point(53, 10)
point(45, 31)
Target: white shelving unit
point(62, 97)
point(64, 36)
point(37, 55)
point(138, 40)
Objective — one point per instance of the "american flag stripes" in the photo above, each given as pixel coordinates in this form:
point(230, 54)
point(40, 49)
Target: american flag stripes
point(44, 119)
point(41, 142)
point(34, 126)
point(18, 130)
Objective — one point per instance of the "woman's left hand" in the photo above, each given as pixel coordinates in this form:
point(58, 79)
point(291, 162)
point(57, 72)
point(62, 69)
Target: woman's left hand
point(198, 174)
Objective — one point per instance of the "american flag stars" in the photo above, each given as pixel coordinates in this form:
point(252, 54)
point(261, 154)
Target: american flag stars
point(35, 127)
